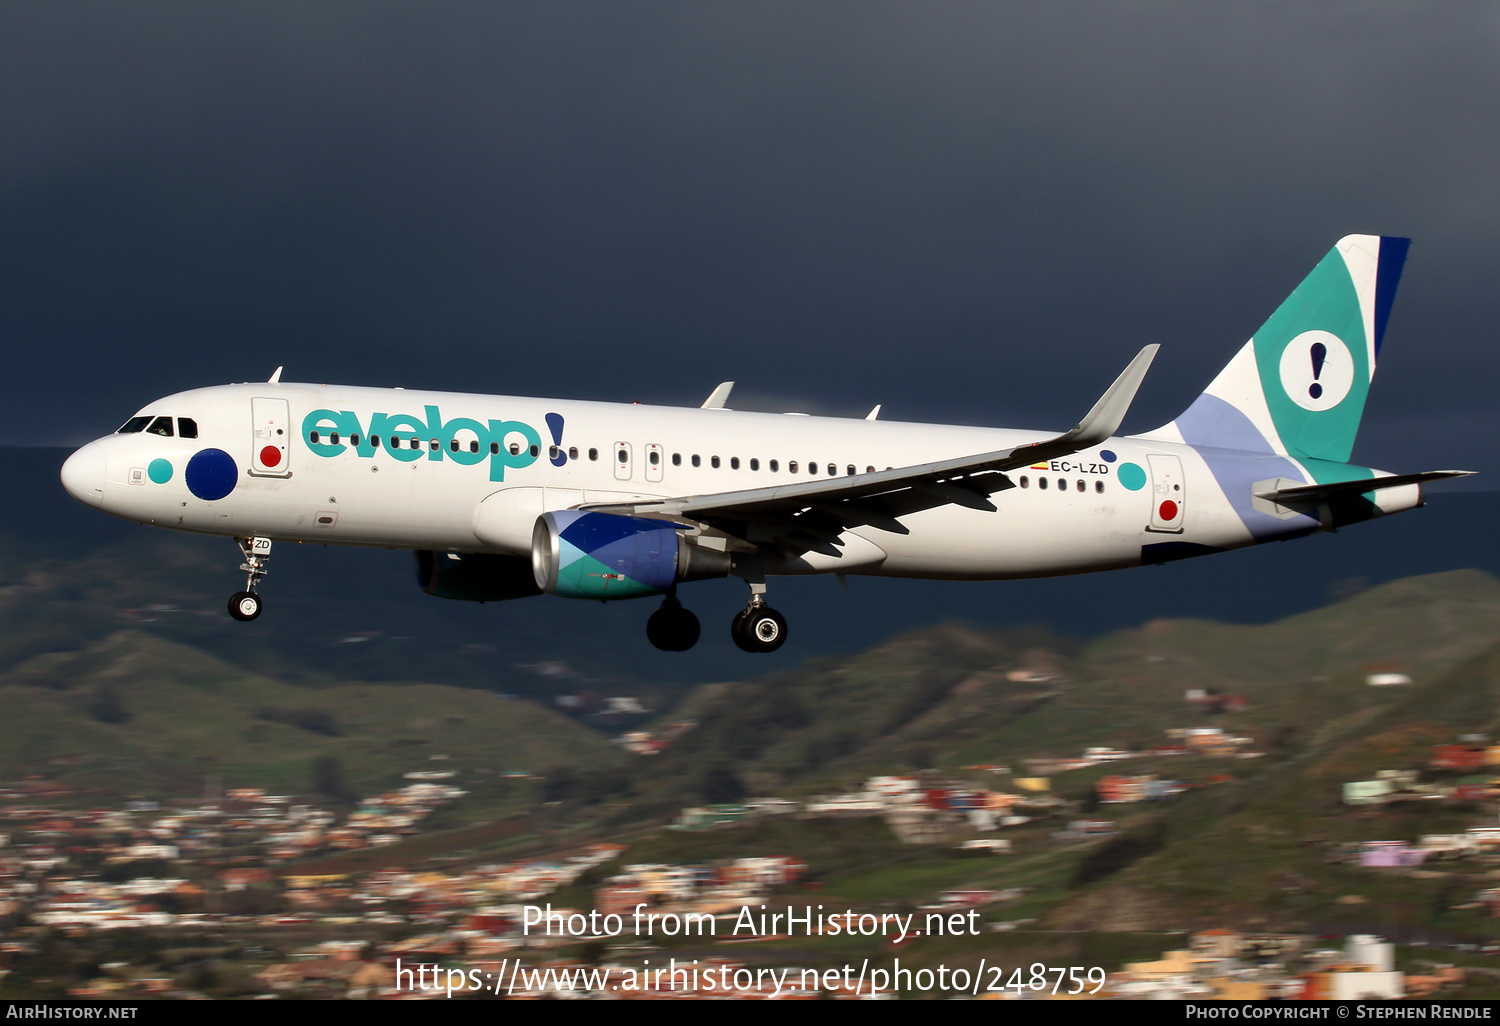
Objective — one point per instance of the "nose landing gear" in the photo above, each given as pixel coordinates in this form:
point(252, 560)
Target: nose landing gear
point(246, 605)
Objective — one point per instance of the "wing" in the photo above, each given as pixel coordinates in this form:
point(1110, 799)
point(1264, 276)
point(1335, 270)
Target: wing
point(811, 514)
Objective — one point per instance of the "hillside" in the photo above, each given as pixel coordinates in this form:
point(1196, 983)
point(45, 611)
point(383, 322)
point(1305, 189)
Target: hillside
point(137, 714)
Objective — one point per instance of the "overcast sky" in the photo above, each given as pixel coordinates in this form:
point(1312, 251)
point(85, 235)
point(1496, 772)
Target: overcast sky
point(969, 212)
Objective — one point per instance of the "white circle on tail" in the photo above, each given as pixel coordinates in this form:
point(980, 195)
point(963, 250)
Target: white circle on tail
point(1317, 370)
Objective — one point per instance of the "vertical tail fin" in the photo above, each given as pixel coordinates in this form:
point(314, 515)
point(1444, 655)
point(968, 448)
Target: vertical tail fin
point(1298, 387)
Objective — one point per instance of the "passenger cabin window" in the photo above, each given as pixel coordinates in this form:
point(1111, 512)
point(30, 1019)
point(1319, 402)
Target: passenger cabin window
point(791, 467)
point(573, 452)
point(161, 426)
point(852, 471)
point(654, 458)
point(754, 463)
point(133, 425)
point(713, 461)
point(677, 459)
point(187, 427)
point(697, 460)
point(734, 463)
point(536, 450)
point(812, 468)
point(774, 466)
point(593, 454)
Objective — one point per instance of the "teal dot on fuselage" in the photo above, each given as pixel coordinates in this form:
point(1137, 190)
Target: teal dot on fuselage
point(1132, 476)
point(160, 471)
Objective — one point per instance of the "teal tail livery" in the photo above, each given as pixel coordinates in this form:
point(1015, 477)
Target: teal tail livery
point(508, 497)
point(1298, 387)
point(1294, 395)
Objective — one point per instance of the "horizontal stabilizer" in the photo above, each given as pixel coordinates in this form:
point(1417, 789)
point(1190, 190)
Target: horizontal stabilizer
point(1313, 493)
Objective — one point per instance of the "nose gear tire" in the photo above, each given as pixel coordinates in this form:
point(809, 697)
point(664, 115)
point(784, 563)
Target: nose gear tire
point(244, 605)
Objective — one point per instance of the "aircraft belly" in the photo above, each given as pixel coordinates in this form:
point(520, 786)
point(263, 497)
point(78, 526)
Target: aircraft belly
point(1016, 541)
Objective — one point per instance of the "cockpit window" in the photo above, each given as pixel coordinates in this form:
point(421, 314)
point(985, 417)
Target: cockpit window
point(161, 426)
point(133, 425)
point(187, 427)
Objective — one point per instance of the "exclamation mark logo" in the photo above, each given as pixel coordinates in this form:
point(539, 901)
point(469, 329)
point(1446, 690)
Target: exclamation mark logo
point(555, 425)
point(1317, 370)
point(1319, 353)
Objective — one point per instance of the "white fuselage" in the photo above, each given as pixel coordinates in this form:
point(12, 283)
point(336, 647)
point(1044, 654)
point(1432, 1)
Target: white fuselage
point(474, 485)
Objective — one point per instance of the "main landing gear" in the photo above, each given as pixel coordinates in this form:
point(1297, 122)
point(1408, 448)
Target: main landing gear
point(246, 605)
point(672, 628)
point(756, 628)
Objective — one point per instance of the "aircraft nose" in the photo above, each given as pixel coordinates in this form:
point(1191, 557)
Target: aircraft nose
point(83, 474)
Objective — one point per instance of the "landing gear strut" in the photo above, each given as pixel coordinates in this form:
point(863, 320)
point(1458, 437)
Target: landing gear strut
point(672, 628)
point(758, 627)
point(246, 605)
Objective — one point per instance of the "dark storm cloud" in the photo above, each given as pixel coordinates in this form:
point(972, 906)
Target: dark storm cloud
point(970, 212)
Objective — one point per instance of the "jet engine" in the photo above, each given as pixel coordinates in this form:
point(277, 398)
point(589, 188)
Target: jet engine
point(474, 577)
point(604, 556)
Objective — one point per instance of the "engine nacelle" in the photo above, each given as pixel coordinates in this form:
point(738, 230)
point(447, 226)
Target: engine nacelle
point(475, 577)
point(603, 556)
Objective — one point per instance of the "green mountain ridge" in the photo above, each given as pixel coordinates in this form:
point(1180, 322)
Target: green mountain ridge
point(138, 713)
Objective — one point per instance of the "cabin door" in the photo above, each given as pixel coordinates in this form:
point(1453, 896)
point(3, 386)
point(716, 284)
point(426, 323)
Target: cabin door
point(270, 444)
point(1169, 494)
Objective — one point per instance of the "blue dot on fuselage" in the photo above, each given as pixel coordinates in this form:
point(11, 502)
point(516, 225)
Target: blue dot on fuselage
point(211, 474)
point(1107, 455)
point(159, 471)
point(1132, 476)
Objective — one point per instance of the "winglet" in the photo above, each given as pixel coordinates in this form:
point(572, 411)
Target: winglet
point(718, 397)
point(1105, 418)
point(275, 378)
point(874, 414)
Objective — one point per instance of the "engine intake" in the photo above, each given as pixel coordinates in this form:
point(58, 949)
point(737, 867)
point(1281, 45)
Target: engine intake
point(604, 556)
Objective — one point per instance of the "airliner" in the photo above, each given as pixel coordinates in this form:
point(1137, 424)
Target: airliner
point(504, 497)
